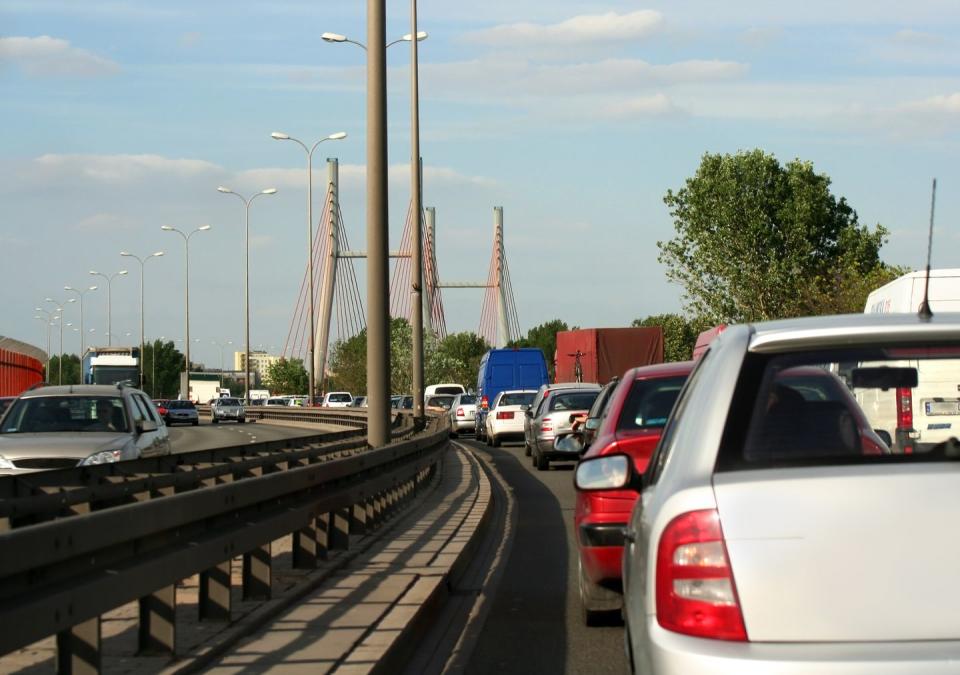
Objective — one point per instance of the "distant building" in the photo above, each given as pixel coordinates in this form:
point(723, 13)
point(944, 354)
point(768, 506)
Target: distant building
point(259, 363)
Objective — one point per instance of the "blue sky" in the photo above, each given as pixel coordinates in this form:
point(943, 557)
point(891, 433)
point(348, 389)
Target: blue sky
point(576, 117)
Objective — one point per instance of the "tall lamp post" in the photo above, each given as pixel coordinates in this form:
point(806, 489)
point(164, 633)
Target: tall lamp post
point(221, 345)
point(109, 279)
point(48, 320)
point(186, 303)
point(279, 136)
point(246, 278)
point(416, 253)
point(80, 293)
point(142, 262)
point(60, 357)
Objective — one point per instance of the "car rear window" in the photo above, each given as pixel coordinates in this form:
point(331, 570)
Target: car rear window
point(454, 390)
point(849, 406)
point(579, 400)
point(525, 398)
point(468, 399)
point(339, 398)
point(649, 403)
point(180, 405)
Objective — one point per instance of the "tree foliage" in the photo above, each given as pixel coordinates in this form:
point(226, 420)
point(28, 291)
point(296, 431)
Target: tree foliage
point(287, 376)
point(162, 379)
point(457, 359)
point(756, 240)
point(71, 369)
point(679, 334)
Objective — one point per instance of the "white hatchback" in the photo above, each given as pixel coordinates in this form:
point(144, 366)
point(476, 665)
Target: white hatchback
point(505, 419)
point(337, 399)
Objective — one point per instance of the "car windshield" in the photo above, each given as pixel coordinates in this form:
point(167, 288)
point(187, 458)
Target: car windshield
point(40, 414)
point(517, 398)
point(229, 401)
point(578, 400)
point(649, 403)
point(339, 398)
point(180, 405)
point(857, 405)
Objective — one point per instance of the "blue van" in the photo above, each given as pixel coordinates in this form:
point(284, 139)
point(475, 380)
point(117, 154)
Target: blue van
point(503, 369)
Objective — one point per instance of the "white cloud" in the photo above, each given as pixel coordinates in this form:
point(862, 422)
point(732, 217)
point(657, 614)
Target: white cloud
point(45, 56)
point(642, 106)
point(119, 169)
point(760, 37)
point(353, 176)
point(947, 104)
point(917, 38)
point(577, 30)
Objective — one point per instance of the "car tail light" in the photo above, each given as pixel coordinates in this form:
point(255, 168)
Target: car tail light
point(905, 417)
point(546, 425)
point(484, 403)
point(503, 415)
point(460, 412)
point(696, 593)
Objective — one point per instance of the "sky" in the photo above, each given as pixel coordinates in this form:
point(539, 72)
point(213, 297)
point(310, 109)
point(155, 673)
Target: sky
point(576, 117)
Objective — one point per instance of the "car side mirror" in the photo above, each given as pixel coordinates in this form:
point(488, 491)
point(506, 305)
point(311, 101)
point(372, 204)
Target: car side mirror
point(144, 426)
point(592, 423)
point(609, 472)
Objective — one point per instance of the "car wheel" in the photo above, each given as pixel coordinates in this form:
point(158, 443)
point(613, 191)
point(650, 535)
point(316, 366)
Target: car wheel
point(495, 441)
point(214, 420)
point(526, 448)
point(541, 462)
point(242, 420)
point(196, 422)
point(597, 604)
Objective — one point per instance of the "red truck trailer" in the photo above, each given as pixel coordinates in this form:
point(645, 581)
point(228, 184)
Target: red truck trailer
point(605, 353)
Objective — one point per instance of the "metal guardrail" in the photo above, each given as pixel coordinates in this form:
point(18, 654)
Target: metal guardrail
point(112, 534)
point(355, 417)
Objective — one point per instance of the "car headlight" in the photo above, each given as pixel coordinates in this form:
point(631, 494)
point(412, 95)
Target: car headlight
point(105, 457)
point(6, 463)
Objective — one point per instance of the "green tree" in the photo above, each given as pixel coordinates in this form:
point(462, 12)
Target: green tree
point(457, 359)
point(71, 369)
point(756, 240)
point(544, 336)
point(679, 334)
point(162, 378)
point(287, 376)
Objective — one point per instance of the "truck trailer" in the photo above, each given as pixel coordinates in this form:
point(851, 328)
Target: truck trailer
point(600, 354)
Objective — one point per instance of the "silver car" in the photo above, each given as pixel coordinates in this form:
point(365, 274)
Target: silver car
point(227, 408)
point(553, 418)
point(62, 427)
point(786, 525)
point(463, 411)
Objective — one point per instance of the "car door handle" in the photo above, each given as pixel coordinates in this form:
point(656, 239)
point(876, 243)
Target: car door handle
point(629, 535)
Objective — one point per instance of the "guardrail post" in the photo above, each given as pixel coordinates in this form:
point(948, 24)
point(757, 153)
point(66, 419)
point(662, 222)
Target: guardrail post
point(158, 622)
point(214, 601)
point(340, 529)
point(78, 648)
point(358, 518)
point(307, 546)
point(258, 573)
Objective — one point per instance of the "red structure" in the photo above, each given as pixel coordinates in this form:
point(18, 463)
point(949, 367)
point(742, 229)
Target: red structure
point(21, 366)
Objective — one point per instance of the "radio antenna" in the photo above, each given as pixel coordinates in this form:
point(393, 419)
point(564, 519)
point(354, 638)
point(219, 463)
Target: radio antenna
point(925, 313)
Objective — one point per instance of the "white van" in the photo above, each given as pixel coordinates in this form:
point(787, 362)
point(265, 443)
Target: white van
point(449, 388)
point(930, 412)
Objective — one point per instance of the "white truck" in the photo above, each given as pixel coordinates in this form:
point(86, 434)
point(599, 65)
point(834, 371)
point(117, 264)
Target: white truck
point(202, 391)
point(930, 412)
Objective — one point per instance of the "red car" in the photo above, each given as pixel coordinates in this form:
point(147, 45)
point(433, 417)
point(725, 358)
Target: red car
point(161, 404)
point(632, 422)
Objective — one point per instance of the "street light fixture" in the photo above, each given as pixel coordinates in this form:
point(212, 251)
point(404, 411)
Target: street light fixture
point(311, 355)
point(246, 275)
point(109, 279)
point(60, 357)
point(81, 292)
point(336, 37)
point(142, 262)
point(186, 273)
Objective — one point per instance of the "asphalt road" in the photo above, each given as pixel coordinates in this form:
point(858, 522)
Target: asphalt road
point(206, 436)
point(534, 624)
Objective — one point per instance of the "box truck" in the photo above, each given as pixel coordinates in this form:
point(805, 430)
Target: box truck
point(600, 354)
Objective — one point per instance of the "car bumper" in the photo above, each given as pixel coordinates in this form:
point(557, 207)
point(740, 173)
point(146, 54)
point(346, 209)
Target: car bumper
point(668, 653)
point(507, 428)
point(228, 416)
point(463, 424)
point(173, 419)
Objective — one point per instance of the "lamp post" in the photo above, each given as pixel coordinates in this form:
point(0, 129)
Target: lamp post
point(60, 357)
point(246, 277)
point(109, 279)
point(81, 293)
point(416, 253)
point(142, 262)
point(186, 303)
point(48, 320)
point(221, 345)
point(311, 355)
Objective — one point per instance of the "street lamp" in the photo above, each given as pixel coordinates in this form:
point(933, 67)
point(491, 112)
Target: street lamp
point(276, 135)
point(246, 274)
point(109, 279)
point(221, 345)
point(48, 320)
point(186, 274)
point(336, 37)
point(142, 261)
point(60, 357)
point(81, 293)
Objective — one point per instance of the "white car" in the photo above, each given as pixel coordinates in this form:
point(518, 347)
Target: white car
point(505, 419)
point(337, 399)
point(462, 412)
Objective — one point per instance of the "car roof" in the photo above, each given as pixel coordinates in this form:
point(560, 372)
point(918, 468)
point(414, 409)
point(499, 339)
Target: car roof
point(660, 370)
point(846, 330)
point(78, 390)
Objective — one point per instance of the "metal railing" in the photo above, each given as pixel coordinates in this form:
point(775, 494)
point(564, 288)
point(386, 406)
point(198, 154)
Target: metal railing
point(92, 539)
point(356, 417)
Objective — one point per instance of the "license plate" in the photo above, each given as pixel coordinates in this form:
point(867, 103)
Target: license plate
point(947, 407)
